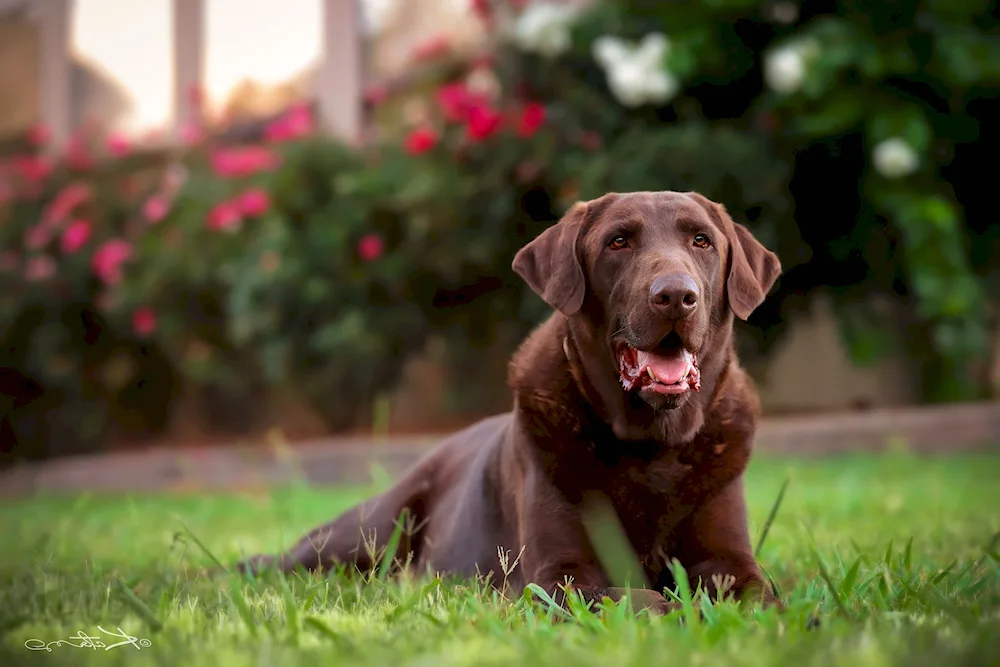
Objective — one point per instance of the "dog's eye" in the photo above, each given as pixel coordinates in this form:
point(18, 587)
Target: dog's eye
point(618, 242)
point(701, 241)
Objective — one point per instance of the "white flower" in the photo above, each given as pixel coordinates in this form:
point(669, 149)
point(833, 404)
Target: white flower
point(785, 67)
point(636, 75)
point(544, 28)
point(894, 158)
point(609, 51)
point(784, 70)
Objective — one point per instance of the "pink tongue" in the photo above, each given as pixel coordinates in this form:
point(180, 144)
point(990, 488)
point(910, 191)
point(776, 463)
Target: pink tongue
point(667, 369)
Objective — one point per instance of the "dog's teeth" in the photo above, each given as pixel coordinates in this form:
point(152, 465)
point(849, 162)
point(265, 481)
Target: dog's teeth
point(650, 371)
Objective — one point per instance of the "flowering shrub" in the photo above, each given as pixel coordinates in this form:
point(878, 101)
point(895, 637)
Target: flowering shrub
point(850, 143)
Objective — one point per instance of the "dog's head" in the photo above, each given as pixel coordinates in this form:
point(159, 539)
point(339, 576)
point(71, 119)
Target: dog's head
point(658, 273)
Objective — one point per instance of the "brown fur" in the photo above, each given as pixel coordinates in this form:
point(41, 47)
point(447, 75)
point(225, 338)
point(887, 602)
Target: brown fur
point(671, 467)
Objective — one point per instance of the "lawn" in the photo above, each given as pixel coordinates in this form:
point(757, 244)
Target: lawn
point(897, 555)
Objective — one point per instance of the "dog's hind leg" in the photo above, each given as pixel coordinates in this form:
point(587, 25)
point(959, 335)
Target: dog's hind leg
point(360, 536)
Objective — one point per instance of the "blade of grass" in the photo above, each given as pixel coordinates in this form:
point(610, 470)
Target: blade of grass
point(772, 515)
point(201, 545)
point(824, 574)
point(684, 593)
point(140, 607)
point(242, 608)
point(392, 547)
point(342, 642)
point(847, 585)
point(553, 606)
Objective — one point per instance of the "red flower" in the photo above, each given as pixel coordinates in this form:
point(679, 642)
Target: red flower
point(435, 47)
point(238, 162)
point(253, 202)
point(144, 321)
point(421, 140)
point(532, 117)
point(370, 247)
point(155, 209)
point(482, 9)
point(68, 199)
point(75, 236)
point(118, 145)
point(456, 101)
point(39, 134)
point(32, 168)
point(108, 259)
point(224, 216)
point(483, 121)
point(297, 122)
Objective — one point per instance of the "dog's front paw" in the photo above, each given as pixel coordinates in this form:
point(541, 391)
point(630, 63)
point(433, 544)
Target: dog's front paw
point(652, 601)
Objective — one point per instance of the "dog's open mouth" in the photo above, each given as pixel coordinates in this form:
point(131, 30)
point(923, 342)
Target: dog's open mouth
point(668, 369)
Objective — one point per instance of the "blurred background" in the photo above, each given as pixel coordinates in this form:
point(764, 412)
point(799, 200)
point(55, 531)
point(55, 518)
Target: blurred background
point(240, 220)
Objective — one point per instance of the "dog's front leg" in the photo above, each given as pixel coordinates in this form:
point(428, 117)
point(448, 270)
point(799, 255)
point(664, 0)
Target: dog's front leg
point(715, 549)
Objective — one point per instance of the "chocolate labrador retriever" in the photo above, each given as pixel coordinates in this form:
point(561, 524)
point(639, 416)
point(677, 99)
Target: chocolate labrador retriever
point(630, 395)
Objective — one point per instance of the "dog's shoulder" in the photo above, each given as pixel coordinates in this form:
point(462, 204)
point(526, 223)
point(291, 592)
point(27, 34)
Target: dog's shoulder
point(546, 398)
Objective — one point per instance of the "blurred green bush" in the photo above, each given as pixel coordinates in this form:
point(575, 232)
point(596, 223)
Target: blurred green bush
point(857, 139)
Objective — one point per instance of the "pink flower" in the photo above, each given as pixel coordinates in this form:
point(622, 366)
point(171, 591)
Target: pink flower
point(155, 209)
point(483, 121)
point(39, 268)
point(435, 47)
point(39, 134)
point(420, 141)
point(376, 94)
point(118, 145)
point(195, 96)
point(68, 199)
point(532, 118)
point(297, 122)
point(32, 168)
point(238, 162)
point(144, 321)
point(253, 202)
point(191, 134)
point(78, 155)
point(456, 100)
point(75, 236)
point(38, 236)
point(224, 216)
point(370, 247)
point(108, 259)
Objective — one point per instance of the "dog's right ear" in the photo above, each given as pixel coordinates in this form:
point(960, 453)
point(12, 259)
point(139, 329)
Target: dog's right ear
point(550, 264)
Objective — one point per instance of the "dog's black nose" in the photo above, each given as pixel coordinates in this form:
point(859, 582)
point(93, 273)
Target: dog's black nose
point(674, 294)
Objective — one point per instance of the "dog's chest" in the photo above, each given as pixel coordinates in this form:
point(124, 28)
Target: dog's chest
point(652, 499)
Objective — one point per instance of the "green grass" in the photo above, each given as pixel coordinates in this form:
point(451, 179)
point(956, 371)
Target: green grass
point(897, 556)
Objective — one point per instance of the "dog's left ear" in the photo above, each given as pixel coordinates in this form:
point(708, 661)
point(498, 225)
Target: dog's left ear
point(550, 264)
point(753, 268)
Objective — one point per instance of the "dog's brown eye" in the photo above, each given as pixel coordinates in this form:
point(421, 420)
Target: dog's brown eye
point(701, 241)
point(618, 242)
